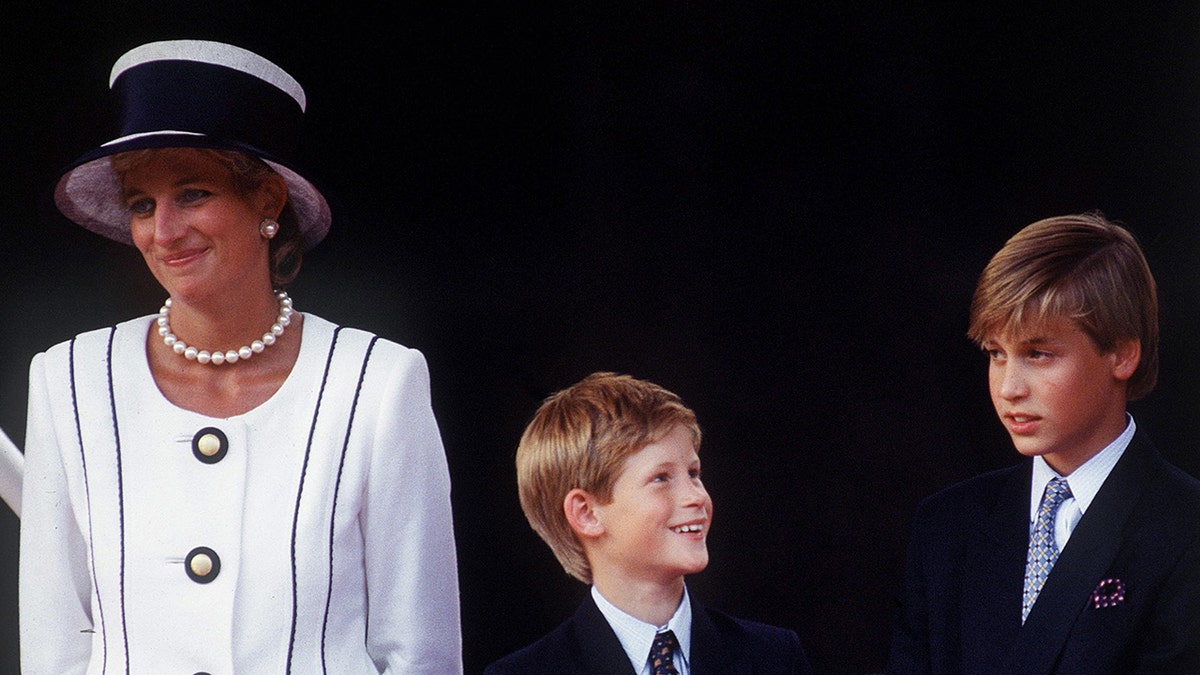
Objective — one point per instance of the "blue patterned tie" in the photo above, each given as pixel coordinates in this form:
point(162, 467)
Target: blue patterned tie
point(664, 646)
point(1043, 549)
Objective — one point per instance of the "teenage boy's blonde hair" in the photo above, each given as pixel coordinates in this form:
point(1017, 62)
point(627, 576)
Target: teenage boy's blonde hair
point(580, 438)
point(1079, 267)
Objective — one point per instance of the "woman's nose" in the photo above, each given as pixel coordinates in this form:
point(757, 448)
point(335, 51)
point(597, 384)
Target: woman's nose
point(168, 225)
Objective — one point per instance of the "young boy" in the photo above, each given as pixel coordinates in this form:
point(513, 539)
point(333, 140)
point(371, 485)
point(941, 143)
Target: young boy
point(609, 477)
point(1085, 557)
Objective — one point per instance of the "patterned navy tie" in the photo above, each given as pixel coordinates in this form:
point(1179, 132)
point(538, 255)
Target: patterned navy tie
point(664, 646)
point(1043, 549)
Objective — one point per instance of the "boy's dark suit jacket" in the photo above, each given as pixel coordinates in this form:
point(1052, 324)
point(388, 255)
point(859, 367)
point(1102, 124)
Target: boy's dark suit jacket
point(721, 645)
point(960, 609)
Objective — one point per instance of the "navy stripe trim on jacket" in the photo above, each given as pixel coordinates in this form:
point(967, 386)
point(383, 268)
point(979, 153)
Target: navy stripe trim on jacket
point(362, 375)
point(87, 493)
point(300, 492)
point(112, 401)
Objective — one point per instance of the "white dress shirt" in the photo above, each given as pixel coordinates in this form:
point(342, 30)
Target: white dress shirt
point(637, 636)
point(1085, 482)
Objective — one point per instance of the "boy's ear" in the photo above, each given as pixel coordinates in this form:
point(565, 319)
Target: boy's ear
point(1125, 358)
point(579, 507)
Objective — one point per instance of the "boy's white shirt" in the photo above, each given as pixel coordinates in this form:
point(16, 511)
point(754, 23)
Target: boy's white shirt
point(1085, 482)
point(636, 636)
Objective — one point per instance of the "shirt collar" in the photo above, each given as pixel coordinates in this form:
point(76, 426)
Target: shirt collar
point(637, 636)
point(1085, 481)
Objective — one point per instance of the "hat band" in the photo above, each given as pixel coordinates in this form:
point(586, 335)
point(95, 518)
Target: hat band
point(144, 134)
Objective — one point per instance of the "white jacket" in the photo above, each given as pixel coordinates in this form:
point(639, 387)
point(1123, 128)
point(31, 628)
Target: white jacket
point(327, 511)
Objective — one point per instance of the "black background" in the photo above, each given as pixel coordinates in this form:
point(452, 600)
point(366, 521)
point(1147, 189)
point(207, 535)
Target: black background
point(777, 211)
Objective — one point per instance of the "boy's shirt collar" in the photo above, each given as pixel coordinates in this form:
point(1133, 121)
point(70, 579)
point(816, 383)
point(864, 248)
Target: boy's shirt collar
point(1085, 481)
point(636, 636)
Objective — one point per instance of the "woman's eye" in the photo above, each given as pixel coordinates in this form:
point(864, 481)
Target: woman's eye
point(661, 478)
point(192, 195)
point(141, 207)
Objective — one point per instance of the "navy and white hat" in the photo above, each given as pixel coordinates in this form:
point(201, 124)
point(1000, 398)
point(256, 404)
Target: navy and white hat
point(194, 94)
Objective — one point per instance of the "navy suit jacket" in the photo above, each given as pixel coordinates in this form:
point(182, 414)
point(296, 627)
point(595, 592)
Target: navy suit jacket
point(960, 607)
point(721, 645)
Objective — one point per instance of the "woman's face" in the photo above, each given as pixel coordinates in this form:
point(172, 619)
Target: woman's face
point(197, 233)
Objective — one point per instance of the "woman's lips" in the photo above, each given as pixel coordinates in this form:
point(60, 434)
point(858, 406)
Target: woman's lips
point(181, 258)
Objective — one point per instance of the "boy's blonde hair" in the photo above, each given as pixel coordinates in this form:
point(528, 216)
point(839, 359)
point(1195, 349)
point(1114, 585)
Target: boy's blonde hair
point(580, 438)
point(1079, 267)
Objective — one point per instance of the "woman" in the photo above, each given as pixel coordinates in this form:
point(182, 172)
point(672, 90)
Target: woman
point(231, 485)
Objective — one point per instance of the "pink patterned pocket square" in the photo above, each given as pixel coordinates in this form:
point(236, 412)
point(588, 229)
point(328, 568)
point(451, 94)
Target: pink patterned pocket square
point(1108, 593)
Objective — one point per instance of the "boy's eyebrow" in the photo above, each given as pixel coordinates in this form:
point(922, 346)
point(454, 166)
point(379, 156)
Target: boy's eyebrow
point(1032, 341)
point(668, 463)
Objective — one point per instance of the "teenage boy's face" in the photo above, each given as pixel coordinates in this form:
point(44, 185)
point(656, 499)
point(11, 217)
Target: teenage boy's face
point(1058, 395)
point(658, 520)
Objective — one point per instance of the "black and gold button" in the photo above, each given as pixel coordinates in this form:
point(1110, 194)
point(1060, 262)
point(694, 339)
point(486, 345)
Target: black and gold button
point(202, 564)
point(209, 445)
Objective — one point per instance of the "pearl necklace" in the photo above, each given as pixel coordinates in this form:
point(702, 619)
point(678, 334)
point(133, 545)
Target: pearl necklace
point(218, 357)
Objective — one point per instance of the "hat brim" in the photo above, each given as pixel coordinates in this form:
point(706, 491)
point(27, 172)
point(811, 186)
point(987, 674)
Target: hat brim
point(89, 193)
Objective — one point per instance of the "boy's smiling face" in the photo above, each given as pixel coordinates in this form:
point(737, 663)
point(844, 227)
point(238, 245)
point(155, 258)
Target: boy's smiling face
point(1057, 394)
point(656, 525)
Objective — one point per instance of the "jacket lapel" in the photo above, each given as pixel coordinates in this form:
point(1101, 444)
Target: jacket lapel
point(1081, 565)
point(994, 576)
point(596, 645)
point(710, 654)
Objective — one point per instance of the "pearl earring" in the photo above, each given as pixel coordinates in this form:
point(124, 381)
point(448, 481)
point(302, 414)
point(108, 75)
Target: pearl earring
point(268, 228)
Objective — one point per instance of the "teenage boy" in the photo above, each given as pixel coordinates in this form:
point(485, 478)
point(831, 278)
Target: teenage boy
point(608, 476)
point(1085, 557)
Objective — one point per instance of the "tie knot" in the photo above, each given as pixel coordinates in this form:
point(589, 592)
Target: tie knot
point(1057, 491)
point(661, 653)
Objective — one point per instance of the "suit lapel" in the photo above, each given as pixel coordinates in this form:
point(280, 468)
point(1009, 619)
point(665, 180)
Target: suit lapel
point(1090, 551)
point(710, 654)
point(993, 578)
point(596, 645)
